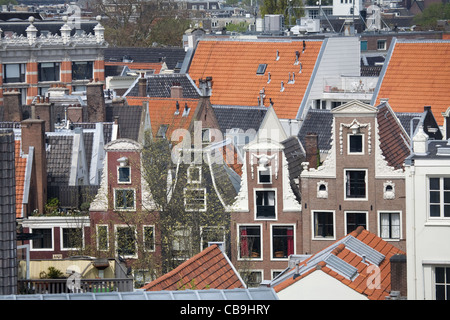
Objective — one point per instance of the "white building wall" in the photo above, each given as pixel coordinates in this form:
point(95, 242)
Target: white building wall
point(342, 7)
point(427, 239)
point(341, 56)
point(319, 286)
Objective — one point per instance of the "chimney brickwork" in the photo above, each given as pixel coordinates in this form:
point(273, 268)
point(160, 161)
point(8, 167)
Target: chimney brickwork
point(33, 135)
point(311, 149)
point(12, 105)
point(95, 101)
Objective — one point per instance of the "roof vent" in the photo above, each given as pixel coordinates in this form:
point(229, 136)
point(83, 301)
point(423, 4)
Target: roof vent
point(300, 70)
point(186, 110)
point(278, 56)
point(268, 77)
point(304, 46)
point(297, 58)
point(177, 112)
point(282, 86)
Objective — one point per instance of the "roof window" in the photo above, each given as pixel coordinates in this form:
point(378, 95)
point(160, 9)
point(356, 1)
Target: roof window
point(261, 68)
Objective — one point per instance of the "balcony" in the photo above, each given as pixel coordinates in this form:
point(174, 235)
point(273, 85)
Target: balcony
point(346, 87)
point(55, 286)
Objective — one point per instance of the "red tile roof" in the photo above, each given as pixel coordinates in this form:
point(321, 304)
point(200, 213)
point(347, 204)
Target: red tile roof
point(162, 111)
point(365, 273)
point(233, 65)
point(20, 164)
point(209, 269)
point(418, 75)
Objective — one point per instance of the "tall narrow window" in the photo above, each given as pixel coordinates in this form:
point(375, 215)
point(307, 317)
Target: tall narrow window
point(355, 143)
point(124, 199)
point(149, 238)
point(282, 241)
point(390, 225)
point(323, 224)
point(102, 238)
point(124, 174)
point(126, 240)
point(265, 204)
point(250, 242)
point(355, 184)
point(439, 197)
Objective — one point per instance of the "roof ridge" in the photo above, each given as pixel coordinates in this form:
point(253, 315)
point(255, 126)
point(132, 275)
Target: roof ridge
point(178, 269)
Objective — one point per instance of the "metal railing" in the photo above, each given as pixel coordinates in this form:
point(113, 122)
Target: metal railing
point(53, 286)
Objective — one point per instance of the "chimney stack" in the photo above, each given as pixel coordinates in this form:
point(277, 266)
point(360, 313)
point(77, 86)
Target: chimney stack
point(42, 109)
point(312, 149)
point(95, 101)
point(398, 274)
point(12, 105)
point(75, 113)
point(176, 91)
point(33, 135)
point(142, 86)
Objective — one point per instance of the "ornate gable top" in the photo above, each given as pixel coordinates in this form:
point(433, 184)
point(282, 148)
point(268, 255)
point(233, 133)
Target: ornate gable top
point(354, 107)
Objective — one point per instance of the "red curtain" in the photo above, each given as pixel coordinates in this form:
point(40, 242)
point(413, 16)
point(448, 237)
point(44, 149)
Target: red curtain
point(290, 241)
point(244, 243)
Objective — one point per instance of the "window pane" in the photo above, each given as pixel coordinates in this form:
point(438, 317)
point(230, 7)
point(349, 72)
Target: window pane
point(72, 238)
point(440, 274)
point(434, 184)
point(102, 237)
point(250, 241)
point(355, 143)
point(446, 183)
point(149, 238)
point(82, 70)
point(323, 224)
point(435, 210)
point(126, 241)
point(446, 210)
point(440, 292)
point(446, 197)
point(435, 197)
point(124, 174)
point(265, 204)
point(44, 242)
point(354, 220)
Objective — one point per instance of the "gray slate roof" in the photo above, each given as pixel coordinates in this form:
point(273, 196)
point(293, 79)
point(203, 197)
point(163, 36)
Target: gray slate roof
point(129, 120)
point(59, 155)
point(242, 117)
point(159, 85)
point(261, 293)
point(319, 122)
point(171, 56)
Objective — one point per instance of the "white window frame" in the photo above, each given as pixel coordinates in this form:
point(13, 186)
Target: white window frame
point(362, 142)
point(116, 239)
point(127, 208)
point(189, 174)
point(53, 239)
point(61, 240)
point(204, 199)
point(97, 236)
point(123, 182)
point(238, 242)
point(380, 212)
point(313, 236)
point(355, 211)
point(255, 205)
point(365, 180)
point(269, 169)
point(441, 198)
point(381, 41)
point(271, 240)
point(143, 237)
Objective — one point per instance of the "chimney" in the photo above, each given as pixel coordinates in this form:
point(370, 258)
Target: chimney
point(142, 86)
point(398, 274)
point(176, 91)
point(420, 142)
point(12, 105)
point(446, 116)
point(33, 135)
point(205, 86)
point(75, 113)
point(312, 149)
point(95, 101)
point(43, 110)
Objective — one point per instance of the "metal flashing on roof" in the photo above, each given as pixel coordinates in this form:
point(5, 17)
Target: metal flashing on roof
point(341, 266)
point(261, 293)
point(363, 250)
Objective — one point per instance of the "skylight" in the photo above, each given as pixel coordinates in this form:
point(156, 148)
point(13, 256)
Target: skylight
point(261, 68)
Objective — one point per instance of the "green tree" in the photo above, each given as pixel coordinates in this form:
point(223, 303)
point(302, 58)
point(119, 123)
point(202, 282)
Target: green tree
point(289, 8)
point(429, 17)
point(238, 27)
